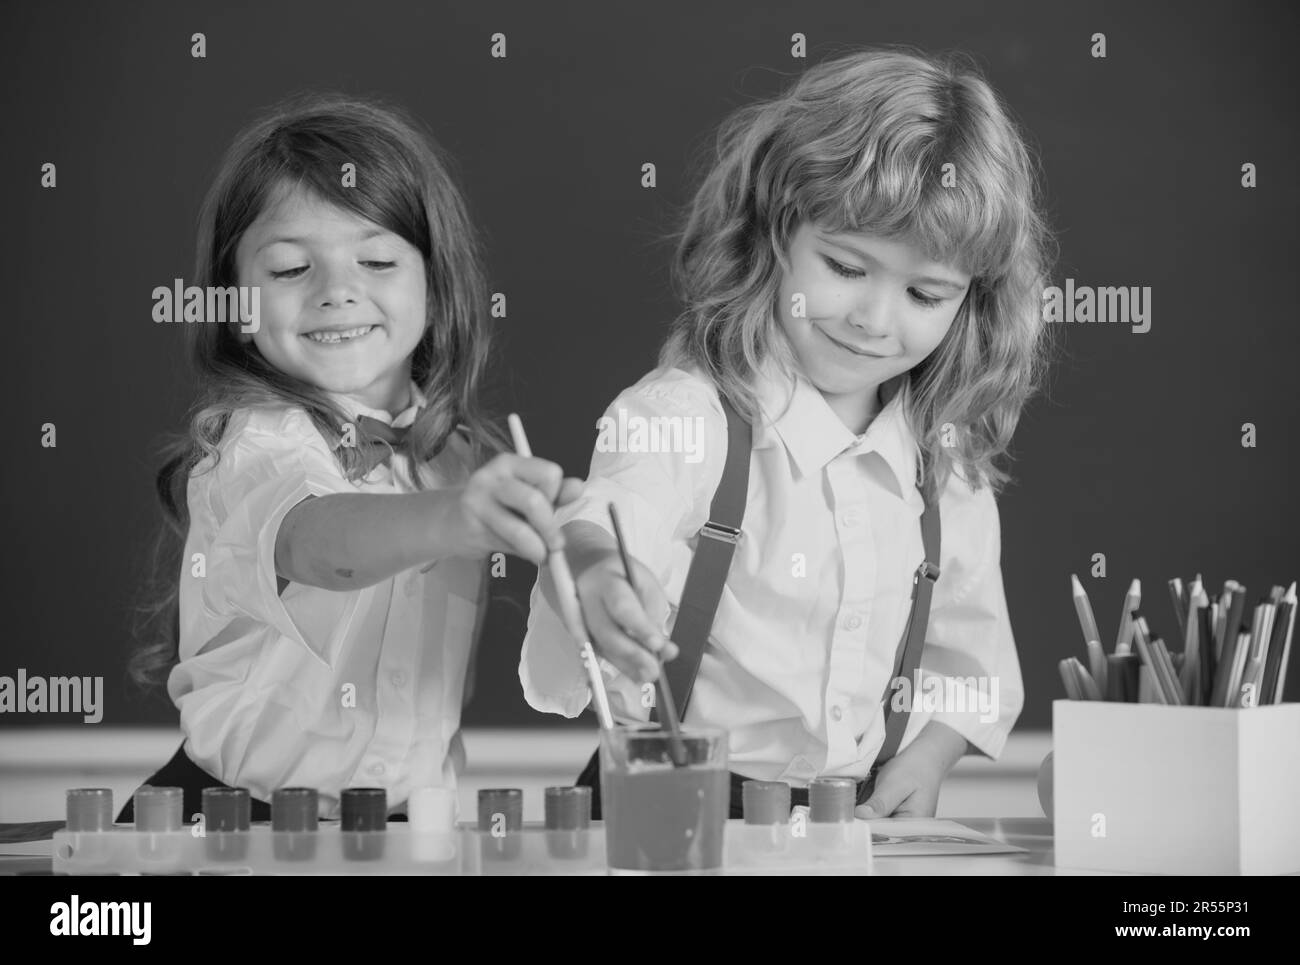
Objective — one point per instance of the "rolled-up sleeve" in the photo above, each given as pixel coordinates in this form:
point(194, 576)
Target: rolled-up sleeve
point(656, 480)
point(268, 465)
point(969, 643)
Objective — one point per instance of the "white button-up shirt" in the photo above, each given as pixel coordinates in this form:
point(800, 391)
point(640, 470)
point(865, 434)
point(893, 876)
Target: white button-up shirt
point(312, 687)
point(802, 649)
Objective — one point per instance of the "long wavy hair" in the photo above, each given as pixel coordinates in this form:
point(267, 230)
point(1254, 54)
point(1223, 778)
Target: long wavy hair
point(859, 143)
point(405, 184)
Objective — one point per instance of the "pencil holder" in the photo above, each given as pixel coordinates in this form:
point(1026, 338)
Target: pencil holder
point(1155, 789)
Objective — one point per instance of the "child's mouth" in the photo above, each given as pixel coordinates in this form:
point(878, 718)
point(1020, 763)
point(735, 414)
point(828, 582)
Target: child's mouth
point(847, 348)
point(340, 337)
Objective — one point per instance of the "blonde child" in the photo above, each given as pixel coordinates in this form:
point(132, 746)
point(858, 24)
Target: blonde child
point(861, 270)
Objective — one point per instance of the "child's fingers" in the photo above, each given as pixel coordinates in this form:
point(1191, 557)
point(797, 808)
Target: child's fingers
point(539, 473)
point(515, 535)
point(655, 605)
point(885, 798)
point(630, 614)
point(534, 507)
point(629, 656)
point(570, 490)
point(916, 805)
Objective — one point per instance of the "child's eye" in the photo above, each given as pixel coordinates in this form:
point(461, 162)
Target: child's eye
point(295, 272)
point(846, 272)
point(842, 270)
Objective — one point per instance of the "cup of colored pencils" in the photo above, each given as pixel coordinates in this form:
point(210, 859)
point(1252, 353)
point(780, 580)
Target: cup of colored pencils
point(1229, 657)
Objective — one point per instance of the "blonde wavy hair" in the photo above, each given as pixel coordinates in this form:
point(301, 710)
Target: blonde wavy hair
point(859, 143)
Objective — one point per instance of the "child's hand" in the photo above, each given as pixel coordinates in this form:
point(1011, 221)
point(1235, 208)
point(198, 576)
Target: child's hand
point(508, 505)
point(626, 629)
point(907, 785)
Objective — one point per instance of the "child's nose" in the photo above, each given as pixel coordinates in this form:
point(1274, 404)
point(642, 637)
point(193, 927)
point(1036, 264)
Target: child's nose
point(337, 285)
point(870, 316)
point(869, 312)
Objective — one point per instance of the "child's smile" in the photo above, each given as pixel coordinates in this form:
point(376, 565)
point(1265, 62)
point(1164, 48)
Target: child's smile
point(343, 300)
point(872, 309)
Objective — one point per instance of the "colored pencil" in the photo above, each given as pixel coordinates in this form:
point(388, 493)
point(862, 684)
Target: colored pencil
point(1239, 655)
point(1280, 637)
point(1227, 652)
point(1205, 634)
point(1083, 608)
point(1068, 679)
point(1087, 686)
point(1097, 664)
point(1180, 604)
point(1166, 674)
point(1132, 599)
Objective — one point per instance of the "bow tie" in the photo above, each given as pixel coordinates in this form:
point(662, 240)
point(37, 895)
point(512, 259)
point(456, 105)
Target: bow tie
point(376, 441)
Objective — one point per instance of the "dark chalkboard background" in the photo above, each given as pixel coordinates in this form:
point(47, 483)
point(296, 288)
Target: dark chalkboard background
point(1135, 451)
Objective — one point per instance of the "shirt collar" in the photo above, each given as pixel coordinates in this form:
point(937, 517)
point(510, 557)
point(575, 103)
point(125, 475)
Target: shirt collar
point(814, 435)
point(402, 419)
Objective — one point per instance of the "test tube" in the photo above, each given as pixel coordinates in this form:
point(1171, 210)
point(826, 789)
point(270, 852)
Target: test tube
point(568, 821)
point(365, 816)
point(158, 815)
point(294, 820)
point(831, 800)
point(90, 809)
point(501, 816)
point(431, 812)
point(767, 816)
point(226, 813)
point(766, 802)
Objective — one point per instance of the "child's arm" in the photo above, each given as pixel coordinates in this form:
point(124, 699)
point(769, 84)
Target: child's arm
point(907, 786)
point(970, 647)
point(347, 541)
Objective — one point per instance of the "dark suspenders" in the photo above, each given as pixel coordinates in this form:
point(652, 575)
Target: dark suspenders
point(712, 561)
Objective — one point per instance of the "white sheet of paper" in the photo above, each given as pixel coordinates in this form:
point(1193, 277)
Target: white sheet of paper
point(891, 837)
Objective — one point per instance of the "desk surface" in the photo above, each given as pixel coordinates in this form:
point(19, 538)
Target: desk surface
point(1032, 834)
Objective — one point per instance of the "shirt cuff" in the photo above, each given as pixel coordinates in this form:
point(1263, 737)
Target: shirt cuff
point(982, 715)
point(242, 576)
point(550, 667)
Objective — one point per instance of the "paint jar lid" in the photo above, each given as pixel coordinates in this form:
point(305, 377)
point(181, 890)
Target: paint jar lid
point(365, 809)
point(159, 808)
point(501, 800)
point(766, 802)
point(832, 799)
point(294, 809)
point(90, 809)
point(226, 808)
point(568, 808)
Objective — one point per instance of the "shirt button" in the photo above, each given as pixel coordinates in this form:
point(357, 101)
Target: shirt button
point(837, 713)
point(378, 769)
point(399, 679)
point(853, 622)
